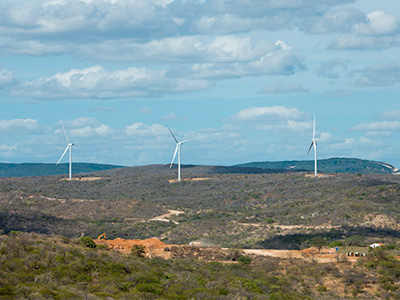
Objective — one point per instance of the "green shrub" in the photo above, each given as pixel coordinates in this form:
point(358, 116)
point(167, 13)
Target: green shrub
point(150, 288)
point(336, 244)
point(269, 220)
point(138, 251)
point(87, 241)
point(244, 259)
point(7, 290)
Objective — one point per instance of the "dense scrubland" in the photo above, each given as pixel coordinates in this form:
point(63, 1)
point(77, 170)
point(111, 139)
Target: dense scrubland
point(51, 267)
point(267, 210)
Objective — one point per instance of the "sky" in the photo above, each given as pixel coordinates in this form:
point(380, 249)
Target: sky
point(241, 79)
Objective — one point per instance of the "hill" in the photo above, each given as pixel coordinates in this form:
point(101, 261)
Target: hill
point(331, 165)
point(266, 210)
point(41, 169)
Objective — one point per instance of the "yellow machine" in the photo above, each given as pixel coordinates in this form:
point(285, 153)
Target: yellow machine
point(103, 235)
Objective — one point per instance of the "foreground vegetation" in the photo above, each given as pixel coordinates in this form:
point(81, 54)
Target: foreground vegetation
point(52, 267)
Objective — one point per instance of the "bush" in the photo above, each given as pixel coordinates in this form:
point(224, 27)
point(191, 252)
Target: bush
point(336, 244)
point(87, 241)
point(138, 251)
point(244, 260)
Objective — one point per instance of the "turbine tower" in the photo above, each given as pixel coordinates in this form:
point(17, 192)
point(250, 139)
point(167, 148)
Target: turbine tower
point(314, 144)
point(69, 147)
point(177, 150)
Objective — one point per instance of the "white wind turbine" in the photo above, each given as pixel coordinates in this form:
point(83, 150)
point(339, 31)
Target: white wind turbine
point(314, 144)
point(177, 150)
point(69, 147)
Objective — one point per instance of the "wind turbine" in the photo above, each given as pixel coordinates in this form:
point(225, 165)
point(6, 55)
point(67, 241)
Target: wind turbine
point(69, 147)
point(314, 144)
point(177, 150)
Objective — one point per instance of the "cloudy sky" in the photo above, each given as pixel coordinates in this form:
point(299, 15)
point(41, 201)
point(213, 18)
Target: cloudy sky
point(241, 78)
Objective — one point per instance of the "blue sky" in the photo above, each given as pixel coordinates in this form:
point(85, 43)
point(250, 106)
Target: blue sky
point(241, 78)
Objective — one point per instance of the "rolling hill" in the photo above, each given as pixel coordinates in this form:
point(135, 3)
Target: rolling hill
point(41, 169)
point(331, 165)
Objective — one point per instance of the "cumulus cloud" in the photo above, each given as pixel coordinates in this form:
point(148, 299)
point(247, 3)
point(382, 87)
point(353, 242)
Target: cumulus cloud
point(96, 82)
point(337, 20)
point(232, 59)
point(378, 30)
point(183, 49)
point(267, 113)
point(19, 126)
point(281, 60)
point(379, 23)
point(142, 130)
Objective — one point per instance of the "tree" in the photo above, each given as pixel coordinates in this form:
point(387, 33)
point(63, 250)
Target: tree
point(318, 242)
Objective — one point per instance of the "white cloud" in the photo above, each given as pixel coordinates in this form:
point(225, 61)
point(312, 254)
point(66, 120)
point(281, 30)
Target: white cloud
point(184, 49)
point(173, 117)
point(96, 82)
point(391, 115)
point(378, 126)
point(6, 77)
point(18, 126)
point(89, 131)
point(379, 23)
point(337, 20)
point(267, 113)
point(281, 60)
point(142, 130)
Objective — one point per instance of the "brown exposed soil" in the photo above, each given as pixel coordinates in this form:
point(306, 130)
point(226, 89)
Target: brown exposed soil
point(155, 247)
point(189, 179)
point(165, 217)
point(83, 178)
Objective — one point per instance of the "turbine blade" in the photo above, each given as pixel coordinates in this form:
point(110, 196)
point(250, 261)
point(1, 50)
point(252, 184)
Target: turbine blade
point(173, 158)
point(184, 141)
point(65, 151)
point(65, 133)
point(313, 135)
point(309, 149)
point(172, 134)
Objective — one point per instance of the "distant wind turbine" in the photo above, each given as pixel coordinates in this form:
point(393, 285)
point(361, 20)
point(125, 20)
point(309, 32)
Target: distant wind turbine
point(69, 147)
point(314, 144)
point(177, 150)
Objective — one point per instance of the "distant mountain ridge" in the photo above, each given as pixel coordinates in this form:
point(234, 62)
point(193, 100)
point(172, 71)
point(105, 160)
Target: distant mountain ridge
point(46, 169)
point(330, 165)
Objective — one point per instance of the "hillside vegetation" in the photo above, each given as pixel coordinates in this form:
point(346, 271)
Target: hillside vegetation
point(52, 267)
point(331, 165)
point(34, 169)
point(279, 210)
